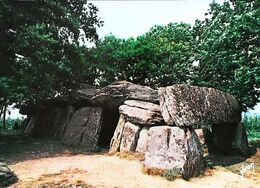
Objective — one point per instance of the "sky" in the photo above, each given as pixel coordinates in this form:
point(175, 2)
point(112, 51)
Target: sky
point(131, 18)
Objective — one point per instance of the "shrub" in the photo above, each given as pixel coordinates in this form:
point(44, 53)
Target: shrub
point(252, 124)
point(10, 122)
point(172, 174)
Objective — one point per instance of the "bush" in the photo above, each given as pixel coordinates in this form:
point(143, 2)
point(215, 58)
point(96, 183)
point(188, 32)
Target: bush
point(11, 122)
point(172, 174)
point(252, 124)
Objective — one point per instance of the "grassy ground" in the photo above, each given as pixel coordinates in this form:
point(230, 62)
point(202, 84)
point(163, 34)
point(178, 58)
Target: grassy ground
point(16, 147)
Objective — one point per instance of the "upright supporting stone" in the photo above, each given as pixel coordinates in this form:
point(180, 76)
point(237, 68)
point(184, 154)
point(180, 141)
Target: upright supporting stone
point(142, 140)
point(116, 140)
point(84, 127)
point(240, 142)
point(62, 118)
point(130, 137)
point(171, 148)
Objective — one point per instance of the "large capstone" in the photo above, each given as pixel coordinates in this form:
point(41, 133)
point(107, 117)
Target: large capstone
point(84, 127)
point(170, 148)
point(185, 105)
point(116, 93)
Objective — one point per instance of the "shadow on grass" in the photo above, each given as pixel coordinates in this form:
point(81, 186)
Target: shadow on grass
point(228, 160)
point(19, 147)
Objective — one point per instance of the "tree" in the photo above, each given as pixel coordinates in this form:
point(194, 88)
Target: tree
point(160, 57)
point(41, 53)
point(227, 49)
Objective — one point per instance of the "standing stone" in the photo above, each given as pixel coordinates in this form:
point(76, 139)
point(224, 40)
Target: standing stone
point(199, 132)
point(62, 117)
point(84, 127)
point(129, 137)
point(142, 141)
point(24, 124)
point(116, 140)
point(171, 148)
point(140, 112)
point(41, 123)
point(29, 127)
point(240, 142)
point(185, 105)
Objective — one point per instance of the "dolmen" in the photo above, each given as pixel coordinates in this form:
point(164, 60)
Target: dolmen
point(165, 134)
point(160, 124)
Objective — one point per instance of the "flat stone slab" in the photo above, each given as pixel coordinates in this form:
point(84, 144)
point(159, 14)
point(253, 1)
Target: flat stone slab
point(184, 105)
point(140, 112)
point(84, 127)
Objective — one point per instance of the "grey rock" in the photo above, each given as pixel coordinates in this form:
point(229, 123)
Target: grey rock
point(185, 105)
point(62, 117)
point(30, 125)
point(142, 140)
point(240, 141)
point(40, 124)
point(117, 137)
point(114, 95)
point(129, 137)
point(171, 148)
point(199, 132)
point(140, 112)
point(84, 127)
point(85, 92)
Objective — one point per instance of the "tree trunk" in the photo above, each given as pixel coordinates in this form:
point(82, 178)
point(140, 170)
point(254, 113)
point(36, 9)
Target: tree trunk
point(4, 116)
point(1, 110)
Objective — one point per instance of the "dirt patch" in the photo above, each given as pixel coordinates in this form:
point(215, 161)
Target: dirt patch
point(110, 171)
point(50, 164)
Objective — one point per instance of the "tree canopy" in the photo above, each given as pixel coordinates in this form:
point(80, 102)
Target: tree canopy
point(160, 57)
point(42, 52)
point(228, 50)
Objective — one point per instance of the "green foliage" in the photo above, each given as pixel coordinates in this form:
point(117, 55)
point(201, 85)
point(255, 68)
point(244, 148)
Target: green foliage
point(228, 50)
point(11, 122)
point(172, 174)
point(252, 124)
point(160, 57)
point(41, 54)
point(226, 45)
